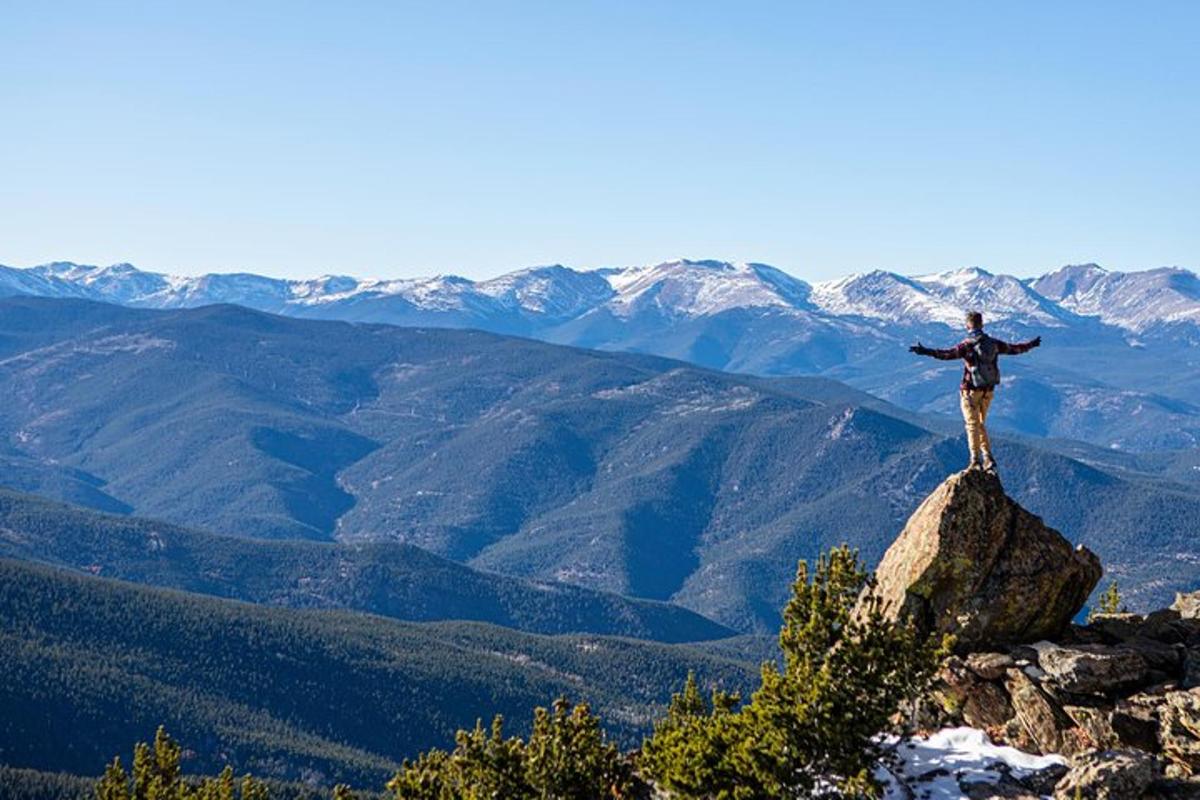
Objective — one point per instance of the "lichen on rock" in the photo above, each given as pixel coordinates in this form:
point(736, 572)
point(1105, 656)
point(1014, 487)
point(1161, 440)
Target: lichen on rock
point(973, 563)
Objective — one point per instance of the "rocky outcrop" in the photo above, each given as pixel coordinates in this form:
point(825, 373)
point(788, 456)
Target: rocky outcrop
point(1112, 695)
point(1091, 668)
point(973, 563)
point(1119, 696)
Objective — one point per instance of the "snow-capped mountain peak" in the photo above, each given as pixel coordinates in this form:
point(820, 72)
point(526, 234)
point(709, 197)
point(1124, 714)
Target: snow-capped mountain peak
point(1000, 297)
point(554, 290)
point(939, 298)
point(884, 296)
point(531, 299)
point(1136, 301)
point(686, 288)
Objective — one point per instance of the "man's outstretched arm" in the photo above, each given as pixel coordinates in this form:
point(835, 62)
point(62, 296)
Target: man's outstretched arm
point(1015, 349)
point(948, 354)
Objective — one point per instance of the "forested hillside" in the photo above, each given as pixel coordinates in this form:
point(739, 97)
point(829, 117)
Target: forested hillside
point(91, 664)
point(617, 472)
point(386, 578)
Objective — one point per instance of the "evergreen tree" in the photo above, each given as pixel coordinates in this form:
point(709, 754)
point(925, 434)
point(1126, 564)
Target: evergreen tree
point(429, 777)
point(157, 775)
point(568, 758)
point(1110, 602)
point(115, 783)
point(810, 726)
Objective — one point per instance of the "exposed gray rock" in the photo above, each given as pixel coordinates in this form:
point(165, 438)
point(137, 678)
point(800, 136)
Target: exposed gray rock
point(1187, 605)
point(1135, 720)
point(1116, 627)
point(989, 666)
point(1041, 718)
point(1010, 786)
point(1164, 625)
point(1191, 668)
point(1091, 669)
point(1108, 775)
point(1179, 729)
point(1095, 722)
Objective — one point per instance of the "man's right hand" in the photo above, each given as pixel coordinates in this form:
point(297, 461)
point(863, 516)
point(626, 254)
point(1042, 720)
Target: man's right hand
point(919, 349)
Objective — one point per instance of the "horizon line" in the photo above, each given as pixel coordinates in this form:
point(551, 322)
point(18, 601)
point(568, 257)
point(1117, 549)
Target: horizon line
point(364, 278)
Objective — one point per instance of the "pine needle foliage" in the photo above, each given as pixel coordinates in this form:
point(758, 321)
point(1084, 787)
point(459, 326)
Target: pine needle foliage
point(808, 730)
point(566, 758)
point(1110, 602)
point(157, 776)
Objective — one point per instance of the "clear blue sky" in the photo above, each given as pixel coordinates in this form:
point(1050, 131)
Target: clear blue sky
point(393, 139)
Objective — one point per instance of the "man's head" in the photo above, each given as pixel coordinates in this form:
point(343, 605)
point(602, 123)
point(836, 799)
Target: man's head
point(974, 321)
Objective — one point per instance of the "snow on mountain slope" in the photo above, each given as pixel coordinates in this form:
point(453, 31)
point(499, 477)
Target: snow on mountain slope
point(955, 764)
point(680, 289)
point(884, 296)
point(1135, 301)
point(1001, 296)
point(685, 288)
point(38, 282)
point(940, 298)
point(555, 291)
point(1126, 335)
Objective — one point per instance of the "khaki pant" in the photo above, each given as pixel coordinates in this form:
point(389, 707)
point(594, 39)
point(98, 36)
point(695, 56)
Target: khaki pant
point(975, 404)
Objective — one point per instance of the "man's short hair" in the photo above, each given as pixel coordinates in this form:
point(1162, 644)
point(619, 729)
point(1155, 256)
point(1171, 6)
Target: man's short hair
point(975, 319)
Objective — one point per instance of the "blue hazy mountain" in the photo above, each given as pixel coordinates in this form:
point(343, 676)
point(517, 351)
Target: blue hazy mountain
point(617, 472)
point(1110, 374)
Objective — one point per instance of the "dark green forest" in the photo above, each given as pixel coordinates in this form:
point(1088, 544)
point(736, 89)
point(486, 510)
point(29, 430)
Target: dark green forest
point(385, 578)
point(810, 722)
point(329, 695)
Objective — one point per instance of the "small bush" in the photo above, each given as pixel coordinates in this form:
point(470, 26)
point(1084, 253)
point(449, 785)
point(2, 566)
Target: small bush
point(1110, 602)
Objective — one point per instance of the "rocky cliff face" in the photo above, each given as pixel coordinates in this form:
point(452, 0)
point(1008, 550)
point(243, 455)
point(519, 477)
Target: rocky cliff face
point(973, 563)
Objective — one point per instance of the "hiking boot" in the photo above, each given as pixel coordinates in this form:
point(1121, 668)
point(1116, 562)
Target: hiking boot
point(989, 465)
point(974, 465)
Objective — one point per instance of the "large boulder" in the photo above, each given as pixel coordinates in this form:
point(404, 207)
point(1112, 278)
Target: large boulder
point(973, 563)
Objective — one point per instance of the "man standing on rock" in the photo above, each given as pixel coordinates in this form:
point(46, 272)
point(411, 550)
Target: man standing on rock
point(981, 375)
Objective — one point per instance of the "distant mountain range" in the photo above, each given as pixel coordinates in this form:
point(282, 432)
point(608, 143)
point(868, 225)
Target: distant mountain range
point(1152, 301)
point(617, 472)
point(1119, 369)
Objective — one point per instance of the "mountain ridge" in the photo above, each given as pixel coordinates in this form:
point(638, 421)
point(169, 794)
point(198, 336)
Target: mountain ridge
point(1069, 291)
point(514, 455)
point(1110, 374)
point(92, 663)
point(385, 578)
